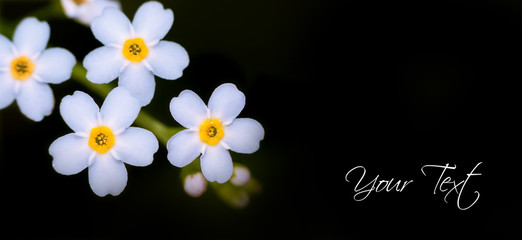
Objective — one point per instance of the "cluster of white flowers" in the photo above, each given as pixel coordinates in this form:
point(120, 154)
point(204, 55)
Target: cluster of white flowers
point(103, 139)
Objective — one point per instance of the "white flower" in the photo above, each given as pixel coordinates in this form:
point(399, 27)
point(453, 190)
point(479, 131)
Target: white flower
point(86, 10)
point(102, 140)
point(195, 184)
point(212, 131)
point(26, 68)
point(134, 51)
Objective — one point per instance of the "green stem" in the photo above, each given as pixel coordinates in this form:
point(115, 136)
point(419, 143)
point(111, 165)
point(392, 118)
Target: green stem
point(144, 119)
point(79, 74)
point(162, 132)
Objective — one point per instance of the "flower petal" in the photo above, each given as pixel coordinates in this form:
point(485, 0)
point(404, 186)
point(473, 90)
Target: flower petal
point(107, 175)
point(31, 36)
point(120, 109)
point(226, 102)
point(103, 64)
point(136, 146)
point(55, 65)
point(88, 12)
point(35, 99)
point(7, 86)
point(139, 80)
point(6, 51)
point(216, 164)
point(70, 8)
point(80, 112)
point(183, 148)
point(112, 27)
point(168, 59)
point(188, 109)
point(70, 154)
point(243, 135)
point(152, 21)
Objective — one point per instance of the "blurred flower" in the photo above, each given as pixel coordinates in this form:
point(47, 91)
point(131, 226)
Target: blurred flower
point(212, 131)
point(102, 140)
point(86, 10)
point(134, 51)
point(241, 176)
point(26, 68)
point(195, 184)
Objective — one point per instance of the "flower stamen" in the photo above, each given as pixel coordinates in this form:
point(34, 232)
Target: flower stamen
point(79, 2)
point(211, 131)
point(135, 50)
point(22, 68)
point(101, 139)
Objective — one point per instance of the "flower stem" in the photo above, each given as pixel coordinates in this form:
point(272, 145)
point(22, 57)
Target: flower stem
point(162, 132)
point(144, 119)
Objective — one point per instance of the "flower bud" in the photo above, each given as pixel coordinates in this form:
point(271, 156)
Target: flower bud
point(195, 184)
point(241, 176)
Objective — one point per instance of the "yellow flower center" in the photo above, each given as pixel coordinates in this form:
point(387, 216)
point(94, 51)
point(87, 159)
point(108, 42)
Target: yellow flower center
point(211, 131)
point(79, 2)
point(101, 139)
point(22, 68)
point(135, 50)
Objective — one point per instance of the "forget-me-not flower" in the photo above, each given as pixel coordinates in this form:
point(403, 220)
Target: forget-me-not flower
point(102, 140)
point(27, 68)
point(135, 51)
point(212, 131)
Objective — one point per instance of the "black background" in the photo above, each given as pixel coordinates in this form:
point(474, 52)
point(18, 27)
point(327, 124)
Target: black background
point(389, 85)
